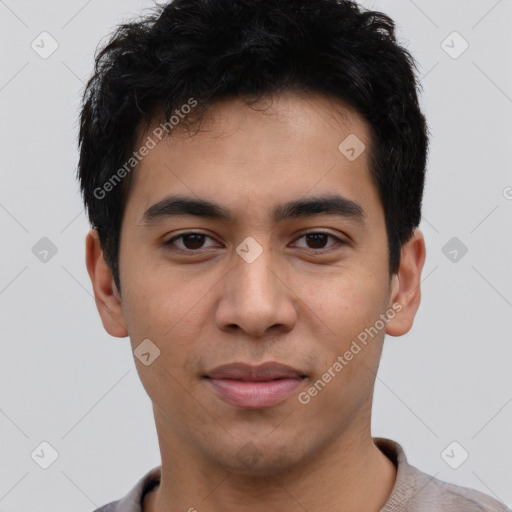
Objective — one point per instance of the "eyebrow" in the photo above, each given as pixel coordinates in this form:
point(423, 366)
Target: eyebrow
point(337, 205)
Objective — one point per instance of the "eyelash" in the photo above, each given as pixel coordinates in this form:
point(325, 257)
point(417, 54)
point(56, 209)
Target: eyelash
point(170, 242)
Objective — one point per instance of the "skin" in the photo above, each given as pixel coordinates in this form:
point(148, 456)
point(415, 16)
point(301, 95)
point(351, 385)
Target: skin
point(299, 303)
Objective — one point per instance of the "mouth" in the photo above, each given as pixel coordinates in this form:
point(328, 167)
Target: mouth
point(254, 387)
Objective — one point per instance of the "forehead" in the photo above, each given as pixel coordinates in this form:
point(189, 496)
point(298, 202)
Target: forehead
point(284, 147)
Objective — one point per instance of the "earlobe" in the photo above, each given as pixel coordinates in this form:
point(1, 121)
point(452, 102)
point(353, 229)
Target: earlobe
point(406, 289)
point(106, 295)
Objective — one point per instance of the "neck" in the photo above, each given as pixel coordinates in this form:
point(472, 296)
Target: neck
point(349, 474)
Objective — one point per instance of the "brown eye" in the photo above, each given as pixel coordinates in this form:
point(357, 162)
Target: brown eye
point(317, 240)
point(194, 241)
point(190, 242)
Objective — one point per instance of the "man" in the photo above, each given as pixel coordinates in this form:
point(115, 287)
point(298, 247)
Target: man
point(253, 171)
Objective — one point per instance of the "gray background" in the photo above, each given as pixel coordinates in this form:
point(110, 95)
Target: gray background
point(66, 382)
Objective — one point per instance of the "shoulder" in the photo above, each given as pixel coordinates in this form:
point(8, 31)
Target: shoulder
point(432, 493)
point(109, 507)
point(132, 502)
point(416, 491)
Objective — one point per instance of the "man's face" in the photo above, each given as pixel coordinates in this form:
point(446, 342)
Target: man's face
point(282, 297)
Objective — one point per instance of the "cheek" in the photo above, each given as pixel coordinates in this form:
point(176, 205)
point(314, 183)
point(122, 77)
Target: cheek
point(343, 303)
point(348, 345)
point(173, 312)
point(169, 317)
point(352, 306)
point(159, 307)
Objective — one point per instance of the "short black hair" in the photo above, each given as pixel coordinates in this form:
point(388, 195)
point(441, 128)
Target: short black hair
point(203, 51)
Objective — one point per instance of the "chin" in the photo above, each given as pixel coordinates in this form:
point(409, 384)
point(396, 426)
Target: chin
point(260, 458)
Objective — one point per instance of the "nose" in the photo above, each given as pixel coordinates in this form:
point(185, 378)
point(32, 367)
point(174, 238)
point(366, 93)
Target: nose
point(255, 297)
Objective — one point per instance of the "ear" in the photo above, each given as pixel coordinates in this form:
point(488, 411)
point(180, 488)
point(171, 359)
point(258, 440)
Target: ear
point(405, 286)
point(106, 295)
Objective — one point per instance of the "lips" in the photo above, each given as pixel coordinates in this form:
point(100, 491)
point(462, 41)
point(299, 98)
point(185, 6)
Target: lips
point(254, 387)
